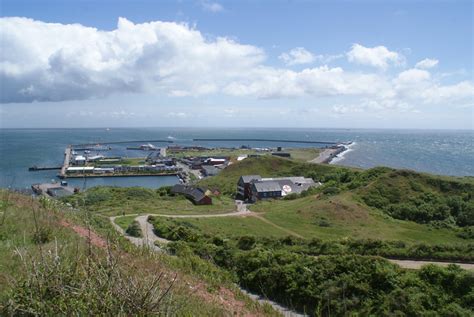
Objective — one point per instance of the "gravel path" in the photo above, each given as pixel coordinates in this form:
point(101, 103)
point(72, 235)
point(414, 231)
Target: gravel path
point(411, 264)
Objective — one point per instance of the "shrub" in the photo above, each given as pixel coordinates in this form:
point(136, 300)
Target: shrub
point(42, 235)
point(466, 233)
point(246, 242)
point(331, 190)
point(134, 229)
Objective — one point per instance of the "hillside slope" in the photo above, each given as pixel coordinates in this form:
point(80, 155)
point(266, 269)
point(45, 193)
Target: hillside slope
point(52, 263)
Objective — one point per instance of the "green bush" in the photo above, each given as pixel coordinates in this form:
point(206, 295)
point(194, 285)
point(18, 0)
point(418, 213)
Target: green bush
point(42, 235)
point(134, 229)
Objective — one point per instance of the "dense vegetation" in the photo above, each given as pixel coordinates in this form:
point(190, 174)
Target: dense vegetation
point(296, 273)
point(402, 194)
point(421, 198)
point(183, 230)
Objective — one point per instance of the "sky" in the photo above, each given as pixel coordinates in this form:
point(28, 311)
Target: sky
point(304, 64)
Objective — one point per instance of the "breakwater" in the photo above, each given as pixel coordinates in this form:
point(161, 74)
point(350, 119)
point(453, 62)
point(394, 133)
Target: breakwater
point(268, 140)
point(76, 146)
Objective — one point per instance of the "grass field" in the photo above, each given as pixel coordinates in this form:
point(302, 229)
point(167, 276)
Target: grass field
point(297, 154)
point(303, 154)
point(124, 222)
point(113, 201)
point(339, 217)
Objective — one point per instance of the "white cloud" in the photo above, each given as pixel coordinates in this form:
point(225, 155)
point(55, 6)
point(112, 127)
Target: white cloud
point(379, 56)
point(212, 6)
point(297, 56)
point(177, 114)
point(300, 56)
point(427, 63)
point(57, 62)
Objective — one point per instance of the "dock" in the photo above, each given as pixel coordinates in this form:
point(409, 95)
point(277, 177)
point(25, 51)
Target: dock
point(120, 175)
point(43, 168)
point(67, 159)
point(55, 190)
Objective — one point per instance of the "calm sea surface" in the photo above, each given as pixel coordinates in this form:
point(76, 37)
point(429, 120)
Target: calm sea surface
point(437, 152)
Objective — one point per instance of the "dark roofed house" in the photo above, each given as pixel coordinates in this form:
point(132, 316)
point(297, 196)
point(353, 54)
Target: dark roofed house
point(210, 170)
point(281, 154)
point(244, 187)
point(195, 194)
point(266, 189)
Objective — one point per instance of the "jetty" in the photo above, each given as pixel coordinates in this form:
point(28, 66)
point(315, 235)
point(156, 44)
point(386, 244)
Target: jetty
point(55, 190)
point(67, 159)
point(269, 140)
point(43, 168)
point(90, 145)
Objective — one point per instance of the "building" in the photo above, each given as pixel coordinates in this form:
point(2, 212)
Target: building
point(210, 170)
point(94, 158)
point(79, 160)
point(215, 161)
point(265, 189)
point(80, 169)
point(254, 187)
point(281, 154)
point(244, 190)
point(103, 170)
point(197, 195)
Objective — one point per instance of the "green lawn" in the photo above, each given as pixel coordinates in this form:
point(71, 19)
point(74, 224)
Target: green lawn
point(343, 217)
point(124, 222)
point(303, 154)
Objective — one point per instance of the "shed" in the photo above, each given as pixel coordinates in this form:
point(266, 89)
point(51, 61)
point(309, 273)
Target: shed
point(195, 194)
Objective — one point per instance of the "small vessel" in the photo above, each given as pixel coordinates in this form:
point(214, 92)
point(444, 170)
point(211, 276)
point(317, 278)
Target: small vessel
point(148, 147)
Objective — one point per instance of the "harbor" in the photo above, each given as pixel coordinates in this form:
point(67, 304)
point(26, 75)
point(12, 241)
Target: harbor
point(144, 159)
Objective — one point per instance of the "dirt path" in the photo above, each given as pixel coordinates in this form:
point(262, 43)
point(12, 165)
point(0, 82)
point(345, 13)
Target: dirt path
point(291, 233)
point(412, 264)
point(86, 233)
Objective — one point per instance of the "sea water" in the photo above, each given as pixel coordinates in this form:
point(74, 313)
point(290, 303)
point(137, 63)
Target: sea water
point(437, 152)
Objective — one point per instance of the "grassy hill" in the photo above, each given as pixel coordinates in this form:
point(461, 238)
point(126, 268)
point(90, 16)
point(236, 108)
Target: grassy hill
point(48, 267)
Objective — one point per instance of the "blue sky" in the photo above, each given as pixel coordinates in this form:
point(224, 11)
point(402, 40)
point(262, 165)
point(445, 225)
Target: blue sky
point(358, 64)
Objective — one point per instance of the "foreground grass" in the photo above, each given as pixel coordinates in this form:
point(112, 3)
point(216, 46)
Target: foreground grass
point(48, 269)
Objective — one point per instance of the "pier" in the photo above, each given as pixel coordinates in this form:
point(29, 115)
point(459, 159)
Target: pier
point(67, 159)
point(91, 145)
point(54, 190)
point(269, 140)
point(43, 168)
point(120, 175)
